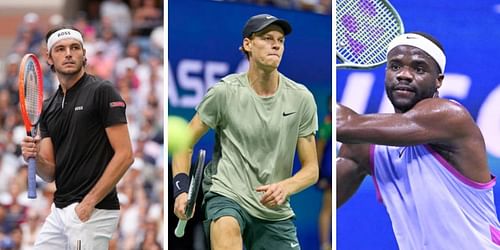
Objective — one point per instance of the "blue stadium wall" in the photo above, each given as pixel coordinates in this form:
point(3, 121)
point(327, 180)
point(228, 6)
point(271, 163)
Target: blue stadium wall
point(203, 41)
point(469, 31)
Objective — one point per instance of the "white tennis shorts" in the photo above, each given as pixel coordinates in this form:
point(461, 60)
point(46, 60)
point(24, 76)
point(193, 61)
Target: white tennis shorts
point(63, 230)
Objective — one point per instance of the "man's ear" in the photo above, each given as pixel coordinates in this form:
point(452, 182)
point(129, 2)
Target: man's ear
point(439, 81)
point(247, 44)
point(49, 59)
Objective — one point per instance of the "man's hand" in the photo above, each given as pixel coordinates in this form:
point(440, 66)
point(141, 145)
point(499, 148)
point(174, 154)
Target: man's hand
point(29, 147)
point(84, 211)
point(180, 206)
point(274, 195)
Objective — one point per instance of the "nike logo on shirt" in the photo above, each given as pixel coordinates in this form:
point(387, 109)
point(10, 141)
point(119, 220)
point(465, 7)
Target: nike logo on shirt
point(401, 152)
point(287, 114)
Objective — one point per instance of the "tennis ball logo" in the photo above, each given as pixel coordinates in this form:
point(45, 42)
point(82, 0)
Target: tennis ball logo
point(179, 136)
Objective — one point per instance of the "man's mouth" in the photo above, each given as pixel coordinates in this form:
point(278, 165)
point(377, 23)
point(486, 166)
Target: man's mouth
point(403, 88)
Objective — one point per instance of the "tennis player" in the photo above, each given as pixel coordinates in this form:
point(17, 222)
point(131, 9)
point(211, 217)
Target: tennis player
point(260, 118)
point(84, 146)
point(428, 159)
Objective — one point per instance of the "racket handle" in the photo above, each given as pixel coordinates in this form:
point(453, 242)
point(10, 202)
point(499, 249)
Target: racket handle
point(31, 178)
point(179, 230)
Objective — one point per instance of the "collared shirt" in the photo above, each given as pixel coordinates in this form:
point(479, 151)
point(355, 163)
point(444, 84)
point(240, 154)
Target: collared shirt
point(76, 124)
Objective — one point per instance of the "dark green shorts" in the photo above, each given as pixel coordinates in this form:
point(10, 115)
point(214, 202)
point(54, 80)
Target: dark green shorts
point(257, 234)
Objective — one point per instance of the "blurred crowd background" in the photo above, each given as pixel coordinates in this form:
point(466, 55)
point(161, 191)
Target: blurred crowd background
point(124, 42)
point(317, 6)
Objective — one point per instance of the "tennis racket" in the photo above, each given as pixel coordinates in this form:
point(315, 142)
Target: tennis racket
point(194, 186)
point(364, 30)
point(31, 99)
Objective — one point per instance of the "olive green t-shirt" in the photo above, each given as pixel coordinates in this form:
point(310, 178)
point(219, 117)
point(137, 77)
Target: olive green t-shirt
point(256, 138)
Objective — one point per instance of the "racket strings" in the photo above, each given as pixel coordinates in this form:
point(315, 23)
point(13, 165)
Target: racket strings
point(359, 51)
point(365, 29)
point(32, 94)
point(370, 35)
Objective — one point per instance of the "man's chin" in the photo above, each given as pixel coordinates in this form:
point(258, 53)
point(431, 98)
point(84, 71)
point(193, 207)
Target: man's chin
point(69, 72)
point(403, 105)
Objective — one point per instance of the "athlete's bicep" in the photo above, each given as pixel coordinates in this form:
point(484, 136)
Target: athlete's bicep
point(198, 128)
point(119, 138)
point(438, 120)
point(306, 149)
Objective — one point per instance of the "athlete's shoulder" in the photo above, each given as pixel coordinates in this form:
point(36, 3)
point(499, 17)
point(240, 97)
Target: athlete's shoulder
point(291, 85)
point(236, 79)
point(442, 106)
point(96, 81)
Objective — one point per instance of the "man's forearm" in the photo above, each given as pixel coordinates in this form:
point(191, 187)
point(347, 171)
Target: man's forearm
point(115, 170)
point(304, 178)
point(349, 178)
point(45, 169)
point(181, 162)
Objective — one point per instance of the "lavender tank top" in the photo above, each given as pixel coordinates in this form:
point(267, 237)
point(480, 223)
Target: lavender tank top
point(431, 204)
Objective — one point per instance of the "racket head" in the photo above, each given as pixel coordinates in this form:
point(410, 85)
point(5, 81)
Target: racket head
point(364, 29)
point(30, 91)
point(194, 186)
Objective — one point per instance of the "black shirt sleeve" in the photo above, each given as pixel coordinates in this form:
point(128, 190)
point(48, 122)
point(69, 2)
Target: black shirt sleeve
point(111, 106)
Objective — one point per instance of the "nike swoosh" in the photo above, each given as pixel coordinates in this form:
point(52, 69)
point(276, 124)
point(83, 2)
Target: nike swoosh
point(294, 244)
point(287, 114)
point(177, 185)
point(401, 152)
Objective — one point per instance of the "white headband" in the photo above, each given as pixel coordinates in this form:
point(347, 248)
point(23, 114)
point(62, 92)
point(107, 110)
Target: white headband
point(63, 34)
point(422, 43)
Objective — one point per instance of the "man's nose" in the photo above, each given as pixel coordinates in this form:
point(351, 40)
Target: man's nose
point(67, 52)
point(405, 73)
point(276, 45)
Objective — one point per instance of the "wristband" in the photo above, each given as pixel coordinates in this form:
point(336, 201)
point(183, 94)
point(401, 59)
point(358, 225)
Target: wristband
point(181, 184)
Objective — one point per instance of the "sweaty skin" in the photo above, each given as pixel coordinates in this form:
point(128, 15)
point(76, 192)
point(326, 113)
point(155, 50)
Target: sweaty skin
point(412, 80)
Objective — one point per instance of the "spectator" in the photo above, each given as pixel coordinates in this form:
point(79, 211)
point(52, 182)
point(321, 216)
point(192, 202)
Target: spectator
point(146, 18)
point(119, 14)
point(29, 35)
point(10, 82)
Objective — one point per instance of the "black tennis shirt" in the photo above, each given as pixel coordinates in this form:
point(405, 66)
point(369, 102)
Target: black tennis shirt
point(77, 129)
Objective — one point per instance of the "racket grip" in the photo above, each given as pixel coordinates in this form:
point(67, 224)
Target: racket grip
point(179, 230)
point(31, 178)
